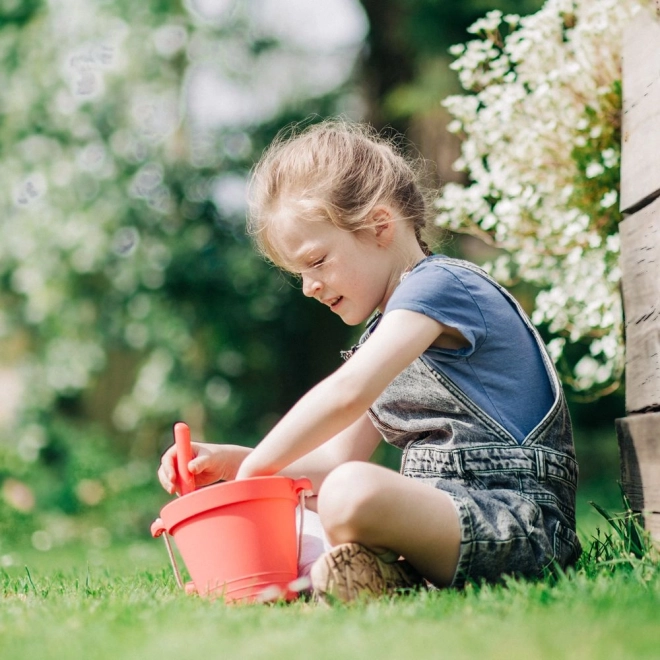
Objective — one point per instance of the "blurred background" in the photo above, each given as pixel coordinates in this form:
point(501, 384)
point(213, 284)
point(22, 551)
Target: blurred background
point(130, 297)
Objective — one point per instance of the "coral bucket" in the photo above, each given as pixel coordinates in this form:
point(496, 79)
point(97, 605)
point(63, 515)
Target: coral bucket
point(237, 539)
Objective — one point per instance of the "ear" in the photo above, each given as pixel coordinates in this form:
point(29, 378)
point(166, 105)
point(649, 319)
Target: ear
point(382, 223)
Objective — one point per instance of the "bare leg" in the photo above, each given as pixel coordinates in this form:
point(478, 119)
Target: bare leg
point(365, 503)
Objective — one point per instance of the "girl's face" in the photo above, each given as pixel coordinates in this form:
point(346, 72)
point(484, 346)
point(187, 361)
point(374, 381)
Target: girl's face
point(352, 273)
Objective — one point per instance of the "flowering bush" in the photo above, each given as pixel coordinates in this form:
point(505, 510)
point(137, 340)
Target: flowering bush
point(129, 294)
point(541, 127)
point(123, 191)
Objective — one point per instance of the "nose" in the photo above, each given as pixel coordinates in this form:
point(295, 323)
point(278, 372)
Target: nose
point(310, 285)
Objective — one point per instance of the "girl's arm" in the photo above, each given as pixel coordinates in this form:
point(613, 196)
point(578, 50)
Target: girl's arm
point(342, 398)
point(356, 443)
point(220, 462)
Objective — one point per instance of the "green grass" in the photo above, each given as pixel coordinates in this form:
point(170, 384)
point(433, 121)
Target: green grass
point(90, 602)
point(106, 614)
point(122, 603)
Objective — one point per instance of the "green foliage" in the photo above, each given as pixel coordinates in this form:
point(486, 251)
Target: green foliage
point(130, 296)
point(409, 49)
point(597, 154)
point(77, 472)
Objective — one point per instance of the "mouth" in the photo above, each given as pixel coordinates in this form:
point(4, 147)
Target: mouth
point(333, 302)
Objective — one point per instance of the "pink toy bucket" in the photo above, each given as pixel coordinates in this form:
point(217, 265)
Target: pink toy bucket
point(237, 539)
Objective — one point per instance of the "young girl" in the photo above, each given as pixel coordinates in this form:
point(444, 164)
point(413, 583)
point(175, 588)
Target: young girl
point(449, 369)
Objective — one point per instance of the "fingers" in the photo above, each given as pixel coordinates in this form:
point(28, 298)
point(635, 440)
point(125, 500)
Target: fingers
point(167, 472)
point(198, 464)
point(167, 480)
point(209, 464)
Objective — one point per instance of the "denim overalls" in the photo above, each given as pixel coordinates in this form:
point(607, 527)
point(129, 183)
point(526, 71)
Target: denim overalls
point(515, 502)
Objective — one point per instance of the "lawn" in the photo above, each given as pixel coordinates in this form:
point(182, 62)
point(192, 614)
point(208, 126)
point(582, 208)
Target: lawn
point(107, 600)
point(122, 602)
point(126, 612)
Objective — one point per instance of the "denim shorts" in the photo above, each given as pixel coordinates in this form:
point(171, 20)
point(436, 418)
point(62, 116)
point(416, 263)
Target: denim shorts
point(510, 523)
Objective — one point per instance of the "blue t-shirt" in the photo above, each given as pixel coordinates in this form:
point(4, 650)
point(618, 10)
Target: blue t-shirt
point(502, 369)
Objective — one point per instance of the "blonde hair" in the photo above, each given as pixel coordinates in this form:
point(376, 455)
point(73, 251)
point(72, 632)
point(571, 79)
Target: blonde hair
point(336, 171)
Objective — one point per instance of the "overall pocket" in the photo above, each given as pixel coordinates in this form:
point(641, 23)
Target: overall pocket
point(567, 547)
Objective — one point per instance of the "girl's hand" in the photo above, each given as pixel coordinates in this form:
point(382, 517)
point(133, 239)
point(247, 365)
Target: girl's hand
point(210, 463)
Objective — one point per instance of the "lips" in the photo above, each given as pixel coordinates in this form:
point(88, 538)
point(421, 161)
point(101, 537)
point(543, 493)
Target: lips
point(333, 302)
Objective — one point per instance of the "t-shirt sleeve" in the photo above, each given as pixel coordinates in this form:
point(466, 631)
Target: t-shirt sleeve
point(441, 293)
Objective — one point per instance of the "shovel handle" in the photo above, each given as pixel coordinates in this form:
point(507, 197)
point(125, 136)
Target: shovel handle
point(183, 457)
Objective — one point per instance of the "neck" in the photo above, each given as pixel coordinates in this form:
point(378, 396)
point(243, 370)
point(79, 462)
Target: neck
point(406, 260)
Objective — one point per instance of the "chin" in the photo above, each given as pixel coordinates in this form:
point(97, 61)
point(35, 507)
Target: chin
point(355, 320)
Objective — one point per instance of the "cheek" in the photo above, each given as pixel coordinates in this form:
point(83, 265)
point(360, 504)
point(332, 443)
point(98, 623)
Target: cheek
point(352, 276)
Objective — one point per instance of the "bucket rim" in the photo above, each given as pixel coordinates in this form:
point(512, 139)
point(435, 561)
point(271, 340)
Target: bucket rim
point(231, 492)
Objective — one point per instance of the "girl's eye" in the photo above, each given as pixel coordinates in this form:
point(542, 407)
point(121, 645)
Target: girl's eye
point(318, 262)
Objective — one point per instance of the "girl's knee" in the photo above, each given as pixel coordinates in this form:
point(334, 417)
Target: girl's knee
point(347, 498)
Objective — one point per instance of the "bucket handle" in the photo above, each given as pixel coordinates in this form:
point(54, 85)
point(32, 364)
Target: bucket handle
point(157, 529)
point(302, 487)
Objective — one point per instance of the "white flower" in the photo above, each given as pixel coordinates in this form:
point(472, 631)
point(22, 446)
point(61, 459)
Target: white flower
point(594, 170)
point(610, 157)
point(523, 118)
point(609, 199)
point(488, 24)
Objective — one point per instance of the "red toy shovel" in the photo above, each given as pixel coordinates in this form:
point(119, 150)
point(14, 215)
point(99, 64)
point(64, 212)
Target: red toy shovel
point(183, 457)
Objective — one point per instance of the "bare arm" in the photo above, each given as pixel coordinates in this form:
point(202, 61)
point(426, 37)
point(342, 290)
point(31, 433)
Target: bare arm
point(220, 462)
point(340, 400)
point(356, 443)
